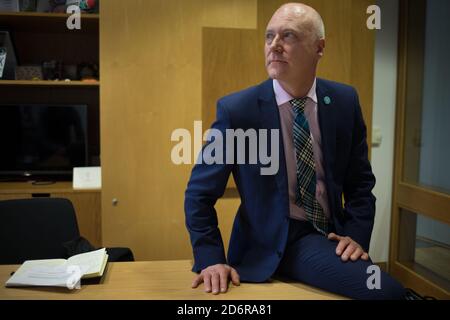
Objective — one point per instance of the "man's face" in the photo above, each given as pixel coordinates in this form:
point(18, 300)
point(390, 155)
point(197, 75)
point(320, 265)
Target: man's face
point(292, 49)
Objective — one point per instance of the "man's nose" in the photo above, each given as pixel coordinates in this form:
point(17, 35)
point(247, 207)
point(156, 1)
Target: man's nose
point(276, 44)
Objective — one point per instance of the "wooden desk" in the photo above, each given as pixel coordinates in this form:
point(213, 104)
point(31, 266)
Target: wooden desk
point(159, 280)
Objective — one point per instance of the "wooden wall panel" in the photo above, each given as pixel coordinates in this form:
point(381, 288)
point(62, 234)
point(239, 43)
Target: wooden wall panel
point(232, 61)
point(229, 14)
point(164, 64)
point(14, 196)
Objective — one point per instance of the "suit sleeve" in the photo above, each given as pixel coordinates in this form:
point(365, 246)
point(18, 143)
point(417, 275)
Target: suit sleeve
point(358, 185)
point(207, 184)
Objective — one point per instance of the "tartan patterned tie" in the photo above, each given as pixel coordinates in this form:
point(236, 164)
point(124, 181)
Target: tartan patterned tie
point(306, 169)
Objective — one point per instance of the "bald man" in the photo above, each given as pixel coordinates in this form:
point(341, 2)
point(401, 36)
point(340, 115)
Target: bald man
point(291, 223)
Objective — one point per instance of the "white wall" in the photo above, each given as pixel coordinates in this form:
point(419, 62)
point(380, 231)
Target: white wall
point(385, 91)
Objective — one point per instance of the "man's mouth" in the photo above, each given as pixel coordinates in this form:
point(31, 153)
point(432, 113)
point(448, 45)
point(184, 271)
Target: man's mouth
point(276, 61)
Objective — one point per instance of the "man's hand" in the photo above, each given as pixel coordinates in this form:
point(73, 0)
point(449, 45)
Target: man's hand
point(216, 278)
point(348, 248)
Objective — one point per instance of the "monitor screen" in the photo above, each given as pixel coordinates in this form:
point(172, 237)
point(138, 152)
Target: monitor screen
point(42, 140)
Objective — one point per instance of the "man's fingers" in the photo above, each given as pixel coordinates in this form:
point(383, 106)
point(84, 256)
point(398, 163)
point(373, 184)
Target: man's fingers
point(215, 282)
point(357, 254)
point(333, 236)
point(197, 280)
point(207, 282)
point(343, 243)
point(223, 281)
point(349, 250)
point(216, 278)
point(235, 277)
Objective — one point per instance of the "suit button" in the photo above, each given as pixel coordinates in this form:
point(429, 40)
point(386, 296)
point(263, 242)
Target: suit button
point(280, 254)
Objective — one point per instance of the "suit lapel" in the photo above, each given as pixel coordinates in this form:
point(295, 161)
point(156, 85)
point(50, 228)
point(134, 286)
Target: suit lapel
point(270, 119)
point(327, 120)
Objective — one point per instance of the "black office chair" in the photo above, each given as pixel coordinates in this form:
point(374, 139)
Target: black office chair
point(35, 229)
point(44, 228)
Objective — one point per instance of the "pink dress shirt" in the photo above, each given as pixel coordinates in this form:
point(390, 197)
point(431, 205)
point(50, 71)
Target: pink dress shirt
point(287, 121)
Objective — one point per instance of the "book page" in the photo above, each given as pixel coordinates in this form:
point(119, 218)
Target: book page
point(30, 264)
point(46, 273)
point(94, 261)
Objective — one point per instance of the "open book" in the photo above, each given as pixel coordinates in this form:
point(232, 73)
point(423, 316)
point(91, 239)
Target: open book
point(60, 272)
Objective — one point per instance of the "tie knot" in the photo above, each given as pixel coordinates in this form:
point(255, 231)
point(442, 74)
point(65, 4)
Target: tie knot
point(298, 105)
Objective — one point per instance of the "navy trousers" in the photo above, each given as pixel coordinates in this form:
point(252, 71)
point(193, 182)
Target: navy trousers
point(311, 259)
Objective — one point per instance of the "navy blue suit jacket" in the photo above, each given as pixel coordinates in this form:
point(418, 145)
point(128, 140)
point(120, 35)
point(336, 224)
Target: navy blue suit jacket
point(260, 227)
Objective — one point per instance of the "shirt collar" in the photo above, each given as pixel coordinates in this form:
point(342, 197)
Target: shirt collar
point(282, 96)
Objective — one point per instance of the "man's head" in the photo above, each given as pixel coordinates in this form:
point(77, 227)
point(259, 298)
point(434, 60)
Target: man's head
point(295, 40)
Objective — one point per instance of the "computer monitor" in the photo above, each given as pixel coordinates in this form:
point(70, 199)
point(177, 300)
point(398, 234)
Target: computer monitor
point(42, 141)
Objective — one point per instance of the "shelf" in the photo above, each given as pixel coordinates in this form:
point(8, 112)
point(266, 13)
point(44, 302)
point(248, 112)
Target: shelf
point(48, 83)
point(46, 15)
point(28, 187)
point(47, 22)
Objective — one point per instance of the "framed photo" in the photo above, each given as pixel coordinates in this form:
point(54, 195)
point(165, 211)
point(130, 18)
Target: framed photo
point(2, 60)
point(9, 56)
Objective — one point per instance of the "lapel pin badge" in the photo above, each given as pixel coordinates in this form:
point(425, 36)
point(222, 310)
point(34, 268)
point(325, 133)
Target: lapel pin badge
point(327, 100)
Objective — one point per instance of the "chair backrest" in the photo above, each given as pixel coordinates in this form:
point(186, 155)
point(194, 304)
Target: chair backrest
point(35, 229)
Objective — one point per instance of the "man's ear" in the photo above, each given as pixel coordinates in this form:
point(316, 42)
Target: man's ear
point(321, 47)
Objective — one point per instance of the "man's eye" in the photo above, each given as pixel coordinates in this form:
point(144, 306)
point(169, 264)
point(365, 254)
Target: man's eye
point(269, 36)
point(289, 35)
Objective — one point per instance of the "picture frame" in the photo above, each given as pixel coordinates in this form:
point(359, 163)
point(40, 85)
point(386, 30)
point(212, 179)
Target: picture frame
point(2, 60)
point(10, 60)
